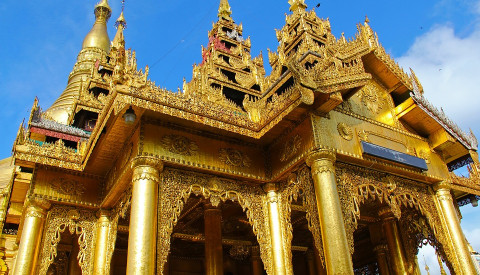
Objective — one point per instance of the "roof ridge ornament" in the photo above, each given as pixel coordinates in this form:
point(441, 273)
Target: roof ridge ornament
point(224, 10)
point(296, 5)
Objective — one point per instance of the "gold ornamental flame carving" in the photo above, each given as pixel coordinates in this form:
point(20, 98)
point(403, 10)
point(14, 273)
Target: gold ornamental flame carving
point(234, 157)
point(370, 98)
point(291, 148)
point(179, 145)
point(345, 131)
point(68, 187)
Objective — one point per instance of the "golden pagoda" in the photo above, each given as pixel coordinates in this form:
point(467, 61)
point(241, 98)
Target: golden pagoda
point(334, 163)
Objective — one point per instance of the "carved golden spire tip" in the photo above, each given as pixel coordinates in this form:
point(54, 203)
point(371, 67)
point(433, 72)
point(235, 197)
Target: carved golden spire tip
point(224, 10)
point(297, 5)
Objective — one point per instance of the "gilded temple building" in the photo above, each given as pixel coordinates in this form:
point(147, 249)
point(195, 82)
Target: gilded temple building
point(332, 163)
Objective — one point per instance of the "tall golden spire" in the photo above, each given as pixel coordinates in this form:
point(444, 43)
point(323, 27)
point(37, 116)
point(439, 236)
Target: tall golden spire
point(224, 10)
point(98, 36)
point(121, 24)
point(296, 5)
point(95, 45)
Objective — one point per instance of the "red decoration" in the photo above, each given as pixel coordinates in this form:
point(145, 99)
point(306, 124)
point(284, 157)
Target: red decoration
point(55, 134)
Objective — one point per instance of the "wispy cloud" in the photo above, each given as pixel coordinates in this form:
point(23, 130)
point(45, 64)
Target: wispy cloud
point(446, 63)
point(447, 66)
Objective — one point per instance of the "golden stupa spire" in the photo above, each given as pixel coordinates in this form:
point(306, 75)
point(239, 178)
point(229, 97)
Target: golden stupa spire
point(224, 10)
point(95, 45)
point(98, 36)
point(296, 5)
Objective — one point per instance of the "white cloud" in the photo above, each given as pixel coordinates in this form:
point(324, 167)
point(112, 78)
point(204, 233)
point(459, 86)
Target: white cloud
point(448, 68)
point(447, 65)
point(427, 257)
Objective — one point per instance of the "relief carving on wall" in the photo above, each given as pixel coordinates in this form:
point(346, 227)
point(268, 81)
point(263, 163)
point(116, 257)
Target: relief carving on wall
point(291, 148)
point(358, 185)
point(78, 222)
point(234, 157)
point(179, 145)
point(345, 131)
point(370, 98)
point(175, 189)
point(68, 187)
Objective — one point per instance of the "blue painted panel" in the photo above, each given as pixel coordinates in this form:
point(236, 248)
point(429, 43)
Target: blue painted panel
point(392, 155)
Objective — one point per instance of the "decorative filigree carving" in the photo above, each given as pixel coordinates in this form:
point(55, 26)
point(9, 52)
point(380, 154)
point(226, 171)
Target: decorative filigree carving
point(291, 147)
point(300, 186)
point(370, 98)
point(179, 145)
point(234, 157)
point(345, 131)
point(68, 186)
point(175, 189)
point(358, 185)
point(79, 222)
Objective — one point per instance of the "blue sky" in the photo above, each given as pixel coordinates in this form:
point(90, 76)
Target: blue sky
point(39, 42)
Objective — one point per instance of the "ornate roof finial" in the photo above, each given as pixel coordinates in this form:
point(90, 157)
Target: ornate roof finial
point(224, 10)
point(367, 20)
point(103, 10)
point(296, 5)
point(98, 36)
point(121, 21)
point(121, 24)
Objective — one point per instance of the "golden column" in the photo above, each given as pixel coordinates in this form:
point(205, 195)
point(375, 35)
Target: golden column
point(394, 243)
point(312, 269)
point(101, 243)
point(31, 236)
point(381, 253)
point(452, 224)
point(275, 224)
point(213, 240)
point(142, 235)
point(337, 254)
point(380, 248)
point(257, 268)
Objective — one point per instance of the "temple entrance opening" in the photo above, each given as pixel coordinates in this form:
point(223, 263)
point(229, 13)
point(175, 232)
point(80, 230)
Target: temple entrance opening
point(208, 238)
point(305, 257)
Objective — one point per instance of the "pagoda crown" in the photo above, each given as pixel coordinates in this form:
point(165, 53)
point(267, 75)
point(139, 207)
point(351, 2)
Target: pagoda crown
point(228, 74)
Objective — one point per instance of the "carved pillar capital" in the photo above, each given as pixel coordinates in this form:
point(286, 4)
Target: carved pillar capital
point(103, 217)
point(37, 207)
point(442, 190)
point(146, 168)
point(147, 161)
point(321, 154)
point(103, 213)
point(270, 187)
point(321, 161)
point(386, 213)
point(381, 248)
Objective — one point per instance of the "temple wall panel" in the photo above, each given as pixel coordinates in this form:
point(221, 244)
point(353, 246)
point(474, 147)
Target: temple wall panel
point(58, 185)
point(205, 151)
point(344, 130)
point(290, 148)
point(130, 149)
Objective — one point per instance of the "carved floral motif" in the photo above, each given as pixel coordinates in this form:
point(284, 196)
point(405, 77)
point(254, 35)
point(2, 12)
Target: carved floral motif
point(234, 157)
point(291, 148)
point(370, 98)
point(345, 131)
point(179, 145)
point(68, 186)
